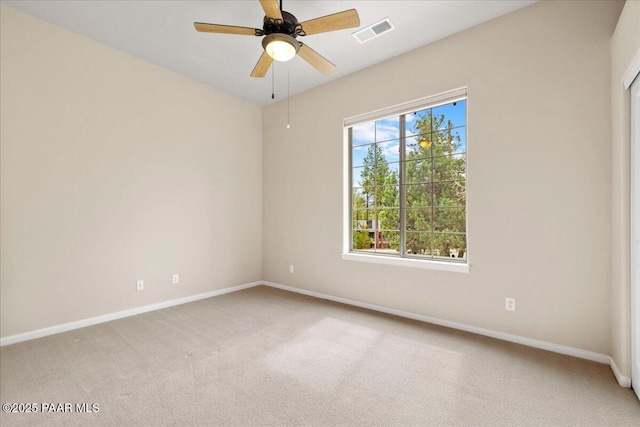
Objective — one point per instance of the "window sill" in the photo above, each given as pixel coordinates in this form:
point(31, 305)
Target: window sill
point(408, 262)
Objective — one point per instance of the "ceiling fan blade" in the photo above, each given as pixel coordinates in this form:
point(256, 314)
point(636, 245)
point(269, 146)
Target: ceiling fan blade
point(337, 21)
point(315, 59)
point(224, 29)
point(261, 68)
point(271, 9)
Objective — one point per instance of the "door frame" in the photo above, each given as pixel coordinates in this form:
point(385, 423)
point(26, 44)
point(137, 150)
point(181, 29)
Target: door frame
point(634, 82)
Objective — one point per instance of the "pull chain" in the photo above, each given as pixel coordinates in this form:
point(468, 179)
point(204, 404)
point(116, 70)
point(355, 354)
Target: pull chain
point(288, 97)
point(273, 73)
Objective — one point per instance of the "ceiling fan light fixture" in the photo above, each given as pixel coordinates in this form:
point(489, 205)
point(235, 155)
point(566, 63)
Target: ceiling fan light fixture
point(280, 47)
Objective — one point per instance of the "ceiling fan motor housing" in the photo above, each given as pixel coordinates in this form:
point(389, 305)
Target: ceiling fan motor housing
point(289, 25)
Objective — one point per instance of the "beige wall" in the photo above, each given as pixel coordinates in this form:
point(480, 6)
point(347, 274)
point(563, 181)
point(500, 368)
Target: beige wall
point(539, 167)
point(625, 43)
point(114, 170)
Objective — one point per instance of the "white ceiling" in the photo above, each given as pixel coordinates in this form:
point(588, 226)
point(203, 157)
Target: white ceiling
point(162, 33)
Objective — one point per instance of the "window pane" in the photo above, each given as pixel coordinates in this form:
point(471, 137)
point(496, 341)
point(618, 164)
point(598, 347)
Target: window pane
point(418, 171)
point(358, 198)
point(418, 195)
point(387, 129)
point(389, 218)
point(390, 151)
point(363, 219)
point(449, 219)
point(357, 177)
point(418, 122)
point(452, 193)
point(449, 168)
point(363, 134)
point(419, 147)
point(450, 245)
point(392, 176)
point(450, 115)
point(418, 243)
point(358, 155)
point(387, 197)
point(379, 165)
point(450, 141)
point(361, 240)
point(388, 242)
point(418, 219)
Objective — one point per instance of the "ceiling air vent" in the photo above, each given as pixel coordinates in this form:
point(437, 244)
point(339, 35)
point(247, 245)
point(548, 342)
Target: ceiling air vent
point(374, 30)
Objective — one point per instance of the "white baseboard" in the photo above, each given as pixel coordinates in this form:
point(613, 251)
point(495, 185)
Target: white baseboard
point(556, 348)
point(13, 339)
point(622, 380)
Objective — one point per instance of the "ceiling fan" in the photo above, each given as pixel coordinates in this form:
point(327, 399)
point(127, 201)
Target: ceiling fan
point(280, 30)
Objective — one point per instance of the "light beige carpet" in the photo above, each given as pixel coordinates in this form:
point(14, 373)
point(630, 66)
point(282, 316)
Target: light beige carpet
point(268, 357)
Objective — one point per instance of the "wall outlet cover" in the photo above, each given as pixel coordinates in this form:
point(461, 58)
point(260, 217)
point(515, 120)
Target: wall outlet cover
point(510, 304)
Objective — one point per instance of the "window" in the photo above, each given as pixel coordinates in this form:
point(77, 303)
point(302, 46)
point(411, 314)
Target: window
point(407, 181)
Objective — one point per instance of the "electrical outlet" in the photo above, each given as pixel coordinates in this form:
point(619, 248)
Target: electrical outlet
point(140, 285)
point(291, 269)
point(175, 279)
point(510, 304)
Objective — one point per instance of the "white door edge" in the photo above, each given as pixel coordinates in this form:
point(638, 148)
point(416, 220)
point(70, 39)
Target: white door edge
point(635, 236)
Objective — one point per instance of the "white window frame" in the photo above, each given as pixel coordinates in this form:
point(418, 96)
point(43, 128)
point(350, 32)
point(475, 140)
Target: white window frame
point(397, 110)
